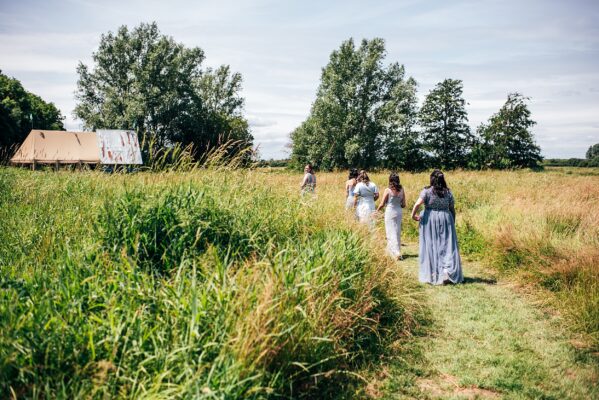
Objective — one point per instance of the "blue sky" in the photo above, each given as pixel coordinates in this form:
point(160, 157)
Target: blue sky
point(547, 50)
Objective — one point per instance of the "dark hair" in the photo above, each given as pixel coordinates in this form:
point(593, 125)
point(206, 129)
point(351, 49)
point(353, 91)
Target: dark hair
point(363, 177)
point(438, 183)
point(310, 169)
point(394, 182)
point(353, 173)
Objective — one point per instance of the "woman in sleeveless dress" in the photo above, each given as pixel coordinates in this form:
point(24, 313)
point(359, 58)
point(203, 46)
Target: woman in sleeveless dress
point(365, 194)
point(350, 184)
point(439, 256)
point(394, 199)
point(309, 182)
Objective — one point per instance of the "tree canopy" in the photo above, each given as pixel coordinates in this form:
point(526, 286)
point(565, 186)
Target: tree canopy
point(146, 81)
point(444, 123)
point(506, 140)
point(363, 113)
point(20, 111)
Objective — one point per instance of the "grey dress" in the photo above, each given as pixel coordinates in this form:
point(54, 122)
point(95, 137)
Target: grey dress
point(439, 256)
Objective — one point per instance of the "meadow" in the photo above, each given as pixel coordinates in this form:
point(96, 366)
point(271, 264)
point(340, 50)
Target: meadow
point(225, 283)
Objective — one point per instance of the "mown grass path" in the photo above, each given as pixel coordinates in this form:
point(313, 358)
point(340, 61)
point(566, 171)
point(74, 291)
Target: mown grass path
point(486, 340)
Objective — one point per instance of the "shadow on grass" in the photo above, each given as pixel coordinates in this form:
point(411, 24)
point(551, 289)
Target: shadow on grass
point(478, 279)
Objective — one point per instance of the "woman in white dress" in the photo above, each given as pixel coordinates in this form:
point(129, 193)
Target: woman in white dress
point(394, 199)
point(365, 194)
point(350, 185)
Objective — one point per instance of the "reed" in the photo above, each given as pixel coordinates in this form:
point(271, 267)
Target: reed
point(215, 283)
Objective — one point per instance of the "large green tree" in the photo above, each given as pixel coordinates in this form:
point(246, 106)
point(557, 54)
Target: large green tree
point(506, 140)
point(146, 81)
point(444, 123)
point(363, 114)
point(20, 111)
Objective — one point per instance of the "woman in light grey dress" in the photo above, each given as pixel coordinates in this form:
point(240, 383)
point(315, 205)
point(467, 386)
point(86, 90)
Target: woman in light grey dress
point(308, 184)
point(439, 256)
point(394, 199)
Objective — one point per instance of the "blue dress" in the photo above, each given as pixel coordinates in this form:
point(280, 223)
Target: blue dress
point(439, 255)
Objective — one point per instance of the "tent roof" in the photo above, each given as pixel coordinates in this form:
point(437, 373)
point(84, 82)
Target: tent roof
point(43, 146)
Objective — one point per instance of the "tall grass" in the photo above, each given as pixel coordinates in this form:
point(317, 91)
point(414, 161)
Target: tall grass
point(541, 227)
point(208, 284)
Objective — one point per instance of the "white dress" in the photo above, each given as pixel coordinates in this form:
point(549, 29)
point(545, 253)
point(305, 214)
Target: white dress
point(366, 207)
point(393, 214)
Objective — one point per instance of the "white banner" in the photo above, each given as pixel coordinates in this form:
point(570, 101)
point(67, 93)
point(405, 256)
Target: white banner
point(118, 147)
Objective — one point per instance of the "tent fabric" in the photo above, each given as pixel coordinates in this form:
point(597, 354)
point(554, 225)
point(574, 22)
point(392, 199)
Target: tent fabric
point(64, 147)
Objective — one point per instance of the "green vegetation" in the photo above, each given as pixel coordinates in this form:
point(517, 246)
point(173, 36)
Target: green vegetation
point(224, 283)
point(366, 115)
point(203, 284)
point(486, 340)
point(591, 160)
point(145, 81)
point(540, 228)
point(21, 110)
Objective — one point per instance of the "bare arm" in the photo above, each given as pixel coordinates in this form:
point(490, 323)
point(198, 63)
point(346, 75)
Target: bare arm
point(403, 198)
point(415, 209)
point(384, 201)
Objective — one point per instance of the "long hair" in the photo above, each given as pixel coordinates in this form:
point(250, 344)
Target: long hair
point(363, 177)
point(394, 182)
point(353, 173)
point(438, 183)
point(310, 168)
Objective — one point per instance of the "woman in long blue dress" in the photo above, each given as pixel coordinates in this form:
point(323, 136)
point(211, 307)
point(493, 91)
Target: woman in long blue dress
point(439, 256)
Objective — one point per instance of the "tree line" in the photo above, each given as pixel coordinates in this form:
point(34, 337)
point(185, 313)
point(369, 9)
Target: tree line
point(591, 159)
point(21, 110)
point(366, 115)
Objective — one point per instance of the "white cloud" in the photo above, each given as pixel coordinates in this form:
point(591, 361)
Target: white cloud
point(548, 50)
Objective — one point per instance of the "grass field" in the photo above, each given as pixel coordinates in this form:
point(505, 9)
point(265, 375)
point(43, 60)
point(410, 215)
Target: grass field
point(226, 284)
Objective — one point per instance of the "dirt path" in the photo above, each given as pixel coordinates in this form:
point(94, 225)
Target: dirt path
point(486, 340)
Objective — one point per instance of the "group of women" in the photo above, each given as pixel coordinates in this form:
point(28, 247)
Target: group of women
point(439, 257)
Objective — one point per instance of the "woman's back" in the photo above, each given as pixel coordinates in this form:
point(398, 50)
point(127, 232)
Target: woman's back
point(350, 185)
point(394, 202)
point(309, 182)
point(432, 201)
point(366, 190)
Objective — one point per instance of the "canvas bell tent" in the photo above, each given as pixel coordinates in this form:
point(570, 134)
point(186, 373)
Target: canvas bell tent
point(107, 147)
point(58, 147)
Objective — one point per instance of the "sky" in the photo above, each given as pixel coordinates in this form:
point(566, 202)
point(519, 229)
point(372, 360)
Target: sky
point(547, 50)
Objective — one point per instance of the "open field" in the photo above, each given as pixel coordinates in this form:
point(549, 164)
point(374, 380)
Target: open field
point(226, 284)
point(215, 284)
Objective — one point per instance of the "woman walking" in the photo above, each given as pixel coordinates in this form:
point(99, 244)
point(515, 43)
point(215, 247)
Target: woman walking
point(365, 194)
point(439, 256)
point(394, 199)
point(309, 182)
point(350, 185)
